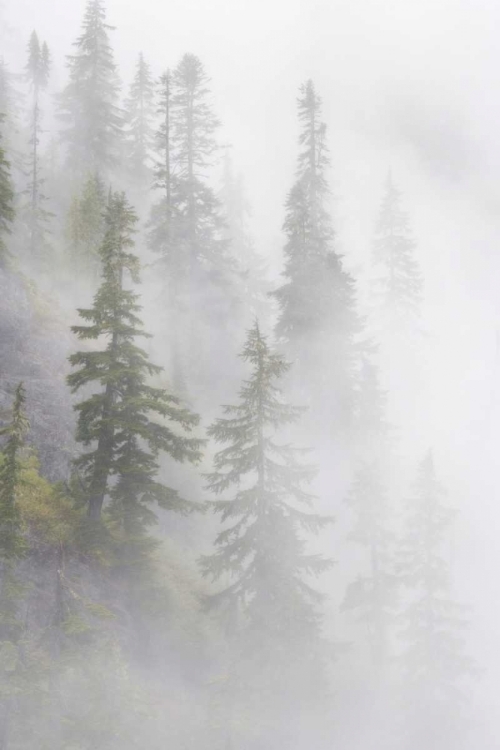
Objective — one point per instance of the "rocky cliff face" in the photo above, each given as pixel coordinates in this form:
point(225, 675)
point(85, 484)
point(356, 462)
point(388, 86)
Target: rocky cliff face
point(34, 346)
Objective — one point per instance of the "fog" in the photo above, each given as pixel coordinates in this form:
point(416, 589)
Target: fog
point(407, 89)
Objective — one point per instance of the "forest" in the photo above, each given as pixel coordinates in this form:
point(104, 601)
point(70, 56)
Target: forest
point(230, 518)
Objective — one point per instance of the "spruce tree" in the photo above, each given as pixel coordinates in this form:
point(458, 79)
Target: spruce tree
point(317, 321)
point(433, 659)
point(11, 548)
point(139, 117)
point(116, 422)
point(399, 286)
point(261, 556)
point(186, 224)
point(7, 213)
point(37, 74)
point(10, 470)
point(89, 105)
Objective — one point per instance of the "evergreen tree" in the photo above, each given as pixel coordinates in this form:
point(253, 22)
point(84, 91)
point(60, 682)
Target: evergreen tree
point(116, 421)
point(186, 225)
point(7, 213)
point(317, 320)
point(85, 228)
point(399, 287)
point(432, 626)
point(262, 552)
point(10, 108)
point(89, 104)
point(15, 432)
point(37, 74)
point(11, 548)
point(139, 115)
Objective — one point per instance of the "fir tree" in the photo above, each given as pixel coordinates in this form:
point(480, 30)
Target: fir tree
point(7, 213)
point(139, 115)
point(11, 548)
point(186, 223)
point(193, 136)
point(10, 110)
point(37, 74)
point(433, 660)
point(15, 432)
point(317, 320)
point(399, 287)
point(262, 550)
point(164, 227)
point(85, 227)
point(116, 421)
point(89, 104)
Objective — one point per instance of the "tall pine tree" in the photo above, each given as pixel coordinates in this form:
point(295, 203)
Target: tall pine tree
point(433, 660)
point(37, 217)
point(317, 321)
point(10, 470)
point(399, 286)
point(89, 105)
point(7, 212)
point(139, 130)
point(116, 422)
point(261, 556)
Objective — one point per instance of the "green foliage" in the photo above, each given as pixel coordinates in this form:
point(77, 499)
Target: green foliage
point(15, 432)
point(85, 228)
point(262, 550)
point(116, 421)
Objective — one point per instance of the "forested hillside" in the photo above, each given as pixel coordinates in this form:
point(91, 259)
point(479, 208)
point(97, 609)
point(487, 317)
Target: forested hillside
point(223, 524)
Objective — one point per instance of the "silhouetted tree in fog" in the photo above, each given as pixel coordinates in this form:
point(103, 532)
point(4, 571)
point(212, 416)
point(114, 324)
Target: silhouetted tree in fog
point(89, 105)
point(37, 74)
point(261, 555)
point(139, 127)
point(85, 228)
point(433, 661)
point(317, 321)
point(398, 292)
point(7, 213)
point(115, 422)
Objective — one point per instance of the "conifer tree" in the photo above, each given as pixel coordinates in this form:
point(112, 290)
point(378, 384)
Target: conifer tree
point(139, 116)
point(433, 660)
point(11, 548)
point(85, 227)
point(89, 108)
point(116, 422)
point(317, 320)
point(261, 556)
point(37, 74)
point(7, 213)
point(10, 110)
point(10, 470)
point(193, 133)
point(186, 224)
point(399, 286)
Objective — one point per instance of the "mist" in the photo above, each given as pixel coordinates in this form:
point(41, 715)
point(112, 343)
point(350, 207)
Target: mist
point(285, 533)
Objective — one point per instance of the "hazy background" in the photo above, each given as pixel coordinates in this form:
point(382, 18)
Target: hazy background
point(409, 85)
